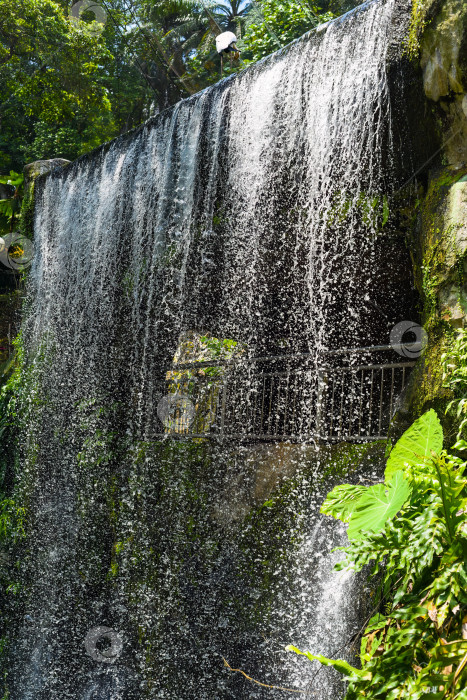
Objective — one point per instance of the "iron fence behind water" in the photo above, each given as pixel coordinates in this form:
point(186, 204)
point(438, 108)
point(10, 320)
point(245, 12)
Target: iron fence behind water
point(337, 396)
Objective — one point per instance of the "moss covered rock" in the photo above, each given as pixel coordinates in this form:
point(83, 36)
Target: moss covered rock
point(42, 167)
point(444, 64)
point(438, 244)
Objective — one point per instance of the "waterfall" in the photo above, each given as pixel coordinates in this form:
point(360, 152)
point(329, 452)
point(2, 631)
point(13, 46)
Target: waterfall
point(252, 211)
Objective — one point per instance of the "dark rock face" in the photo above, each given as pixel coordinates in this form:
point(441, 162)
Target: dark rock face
point(444, 65)
point(414, 133)
point(438, 240)
point(443, 219)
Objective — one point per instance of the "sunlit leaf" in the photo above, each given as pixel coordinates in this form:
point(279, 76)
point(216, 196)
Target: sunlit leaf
point(377, 505)
point(340, 665)
point(341, 502)
point(416, 445)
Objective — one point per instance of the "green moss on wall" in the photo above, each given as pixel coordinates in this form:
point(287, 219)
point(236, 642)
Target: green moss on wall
point(14, 506)
point(421, 12)
point(171, 552)
point(439, 261)
point(426, 389)
point(26, 220)
point(274, 529)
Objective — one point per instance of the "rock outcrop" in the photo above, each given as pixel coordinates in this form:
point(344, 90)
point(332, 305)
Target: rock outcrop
point(42, 167)
point(438, 242)
point(444, 64)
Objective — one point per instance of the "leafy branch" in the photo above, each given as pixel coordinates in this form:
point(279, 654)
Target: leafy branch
point(414, 528)
point(10, 206)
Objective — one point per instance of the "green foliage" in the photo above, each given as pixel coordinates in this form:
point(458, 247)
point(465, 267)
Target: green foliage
point(13, 179)
point(201, 384)
point(62, 89)
point(203, 348)
point(10, 207)
point(415, 447)
point(377, 505)
point(274, 24)
point(12, 521)
point(65, 88)
point(218, 349)
point(13, 509)
point(415, 646)
point(341, 502)
point(431, 267)
point(10, 398)
point(367, 509)
point(341, 666)
point(417, 25)
point(455, 379)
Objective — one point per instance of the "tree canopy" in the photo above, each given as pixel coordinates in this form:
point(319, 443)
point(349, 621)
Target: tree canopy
point(70, 81)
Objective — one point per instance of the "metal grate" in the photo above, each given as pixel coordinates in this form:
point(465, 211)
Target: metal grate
point(357, 403)
point(332, 398)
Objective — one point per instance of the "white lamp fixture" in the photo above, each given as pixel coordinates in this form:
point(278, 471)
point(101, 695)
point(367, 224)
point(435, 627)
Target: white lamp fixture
point(224, 42)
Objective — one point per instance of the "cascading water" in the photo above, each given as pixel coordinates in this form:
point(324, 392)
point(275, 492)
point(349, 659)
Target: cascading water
point(252, 211)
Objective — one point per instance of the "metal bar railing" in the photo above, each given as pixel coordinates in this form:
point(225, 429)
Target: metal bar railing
point(370, 349)
point(319, 401)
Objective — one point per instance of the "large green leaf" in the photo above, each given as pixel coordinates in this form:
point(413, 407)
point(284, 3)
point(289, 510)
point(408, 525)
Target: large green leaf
point(6, 207)
point(13, 179)
point(378, 504)
point(416, 445)
point(341, 666)
point(341, 502)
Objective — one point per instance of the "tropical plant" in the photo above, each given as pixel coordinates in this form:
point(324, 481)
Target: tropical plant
point(413, 530)
point(231, 15)
point(12, 510)
point(187, 30)
point(271, 25)
point(65, 89)
point(228, 16)
point(10, 206)
point(201, 385)
point(455, 378)
point(172, 30)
